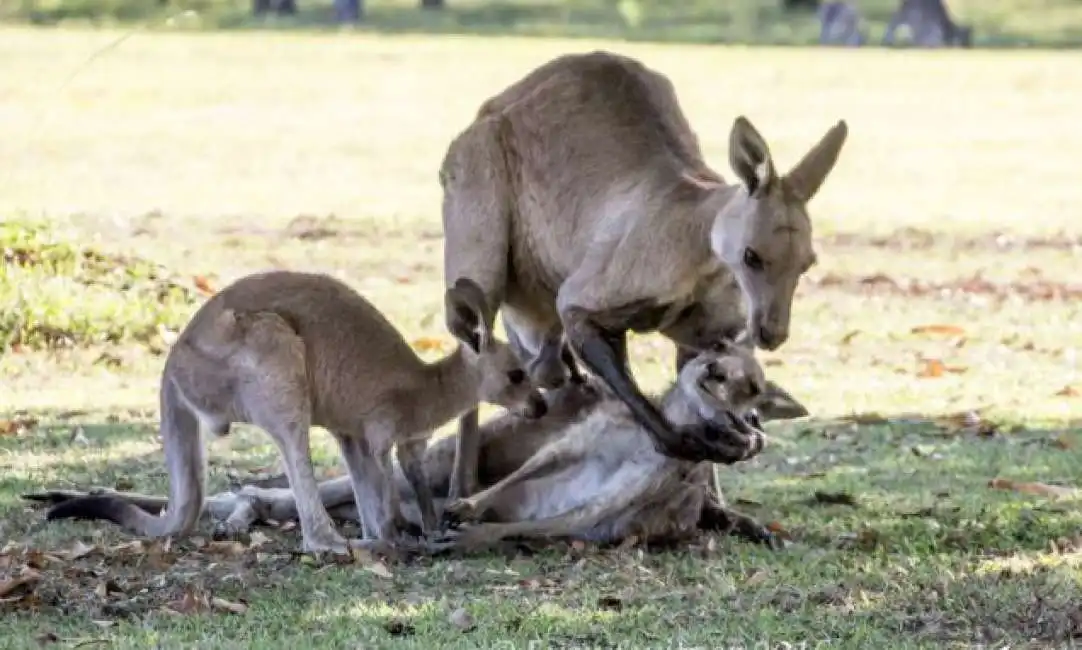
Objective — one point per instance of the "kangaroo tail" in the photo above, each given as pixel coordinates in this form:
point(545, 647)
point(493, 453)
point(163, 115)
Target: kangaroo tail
point(186, 461)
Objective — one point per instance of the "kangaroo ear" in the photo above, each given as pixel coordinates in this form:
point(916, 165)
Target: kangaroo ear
point(467, 314)
point(777, 404)
point(750, 157)
point(808, 175)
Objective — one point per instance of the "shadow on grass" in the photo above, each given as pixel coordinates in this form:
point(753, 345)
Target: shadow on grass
point(927, 552)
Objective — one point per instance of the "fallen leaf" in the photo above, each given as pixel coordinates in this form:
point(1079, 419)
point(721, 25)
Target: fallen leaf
point(380, 569)
point(848, 338)
point(931, 368)
point(779, 530)
point(80, 549)
point(224, 547)
point(951, 330)
point(578, 546)
point(757, 576)
point(20, 586)
point(189, 603)
point(1039, 489)
point(203, 284)
point(427, 343)
point(257, 539)
point(1068, 391)
point(224, 605)
point(17, 426)
point(1062, 441)
point(864, 418)
point(461, 619)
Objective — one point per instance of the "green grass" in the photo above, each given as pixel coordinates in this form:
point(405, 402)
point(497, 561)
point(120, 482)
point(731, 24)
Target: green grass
point(175, 156)
point(998, 23)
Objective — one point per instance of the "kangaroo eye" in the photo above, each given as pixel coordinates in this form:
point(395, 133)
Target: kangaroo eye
point(516, 376)
point(752, 260)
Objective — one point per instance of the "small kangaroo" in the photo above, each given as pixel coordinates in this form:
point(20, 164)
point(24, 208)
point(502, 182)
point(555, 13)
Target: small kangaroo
point(839, 24)
point(508, 441)
point(929, 24)
point(286, 350)
point(578, 199)
point(603, 480)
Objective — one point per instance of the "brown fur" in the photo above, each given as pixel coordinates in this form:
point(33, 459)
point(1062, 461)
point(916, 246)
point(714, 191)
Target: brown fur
point(578, 416)
point(579, 201)
point(285, 351)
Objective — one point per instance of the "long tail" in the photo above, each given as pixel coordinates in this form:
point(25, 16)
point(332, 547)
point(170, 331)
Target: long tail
point(185, 458)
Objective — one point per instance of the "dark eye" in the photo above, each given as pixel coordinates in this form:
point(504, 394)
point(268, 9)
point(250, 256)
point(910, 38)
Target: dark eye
point(516, 376)
point(752, 260)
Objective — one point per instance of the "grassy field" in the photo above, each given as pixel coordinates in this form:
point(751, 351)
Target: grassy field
point(997, 23)
point(175, 163)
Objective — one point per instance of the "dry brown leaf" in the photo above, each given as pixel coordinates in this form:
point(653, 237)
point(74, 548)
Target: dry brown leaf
point(224, 605)
point(80, 549)
point(203, 284)
point(224, 547)
point(189, 603)
point(1068, 391)
point(17, 426)
point(848, 338)
point(757, 576)
point(428, 344)
point(257, 539)
point(779, 530)
point(20, 586)
point(950, 330)
point(1062, 441)
point(380, 569)
point(578, 545)
point(931, 368)
point(1039, 489)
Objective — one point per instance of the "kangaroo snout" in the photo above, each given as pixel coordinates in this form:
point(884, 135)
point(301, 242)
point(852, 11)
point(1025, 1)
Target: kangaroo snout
point(536, 407)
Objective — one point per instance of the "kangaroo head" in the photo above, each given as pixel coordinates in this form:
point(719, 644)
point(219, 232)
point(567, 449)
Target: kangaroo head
point(764, 233)
point(502, 379)
point(728, 376)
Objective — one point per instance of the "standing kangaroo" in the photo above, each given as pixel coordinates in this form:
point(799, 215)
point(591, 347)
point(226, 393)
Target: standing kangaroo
point(929, 24)
point(583, 435)
point(578, 200)
point(286, 350)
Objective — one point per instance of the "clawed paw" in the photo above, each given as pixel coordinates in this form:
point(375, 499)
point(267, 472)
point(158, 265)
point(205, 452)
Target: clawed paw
point(458, 512)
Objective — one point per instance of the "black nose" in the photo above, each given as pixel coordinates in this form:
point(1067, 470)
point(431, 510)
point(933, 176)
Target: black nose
point(754, 389)
point(537, 408)
point(768, 338)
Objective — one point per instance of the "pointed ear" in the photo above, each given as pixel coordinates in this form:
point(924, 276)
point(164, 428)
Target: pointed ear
point(777, 404)
point(466, 312)
point(808, 175)
point(750, 157)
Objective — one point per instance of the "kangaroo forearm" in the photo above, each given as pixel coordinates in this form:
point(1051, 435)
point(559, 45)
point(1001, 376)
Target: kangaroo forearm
point(599, 353)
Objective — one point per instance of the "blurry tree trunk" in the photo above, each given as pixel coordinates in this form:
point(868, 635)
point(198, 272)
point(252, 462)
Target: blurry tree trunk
point(348, 11)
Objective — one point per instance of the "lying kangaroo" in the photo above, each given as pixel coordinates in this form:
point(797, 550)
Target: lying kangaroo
point(839, 24)
point(578, 198)
point(286, 350)
point(583, 427)
point(602, 478)
point(929, 24)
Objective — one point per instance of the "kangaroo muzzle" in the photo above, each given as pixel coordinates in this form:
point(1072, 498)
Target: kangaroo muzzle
point(536, 407)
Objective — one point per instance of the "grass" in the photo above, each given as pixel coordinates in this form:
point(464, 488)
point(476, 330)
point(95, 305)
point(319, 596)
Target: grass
point(176, 157)
point(998, 23)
